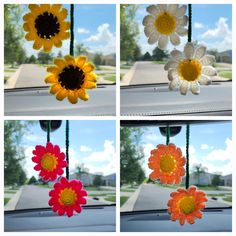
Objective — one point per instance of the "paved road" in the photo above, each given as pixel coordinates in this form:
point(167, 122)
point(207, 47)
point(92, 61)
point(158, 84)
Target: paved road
point(153, 197)
point(37, 197)
point(148, 72)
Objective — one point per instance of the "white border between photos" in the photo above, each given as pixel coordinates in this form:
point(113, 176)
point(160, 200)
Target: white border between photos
point(118, 117)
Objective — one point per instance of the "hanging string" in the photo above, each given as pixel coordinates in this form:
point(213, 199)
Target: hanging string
point(48, 130)
point(189, 22)
point(167, 135)
point(67, 149)
point(187, 155)
point(72, 29)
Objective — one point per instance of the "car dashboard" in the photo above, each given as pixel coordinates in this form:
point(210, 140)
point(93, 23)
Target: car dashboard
point(214, 220)
point(157, 100)
point(92, 219)
point(38, 101)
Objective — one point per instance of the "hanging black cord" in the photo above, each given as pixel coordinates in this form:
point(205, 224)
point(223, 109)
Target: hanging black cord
point(167, 135)
point(187, 155)
point(67, 149)
point(48, 130)
point(72, 29)
point(189, 22)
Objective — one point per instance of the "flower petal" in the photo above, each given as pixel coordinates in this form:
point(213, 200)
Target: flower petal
point(73, 97)
point(204, 80)
point(174, 39)
point(208, 60)
point(148, 20)
point(153, 10)
point(55, 88)
point(153, 38)
point(181, 31)
point(183, 21)
point(149, 29)
point(189, 50)
point(163, 7)
point(172, 74)
point(184, 87)
point(171, 64)
point(209, 70)
point(82, 94)
point(80, 61)
point(163, 41)
point(62, 94)
point(174, 84)
point(200, 52)
point(177, 55)
point(50, 79)
point(88, 67)
point(195, 88)
point(180, 11)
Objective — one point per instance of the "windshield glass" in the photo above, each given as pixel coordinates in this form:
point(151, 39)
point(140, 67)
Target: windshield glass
point(91, 160)
point(210, 156)
point(94, 37)
point(143, 63)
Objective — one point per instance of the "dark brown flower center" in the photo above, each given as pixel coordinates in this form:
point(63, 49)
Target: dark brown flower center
point(47, 25)
point(71, 78)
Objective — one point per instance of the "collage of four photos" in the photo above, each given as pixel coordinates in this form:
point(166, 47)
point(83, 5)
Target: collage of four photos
point(118, 117)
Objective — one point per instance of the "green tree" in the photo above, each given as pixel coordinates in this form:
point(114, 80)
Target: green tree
point(44, 58)
point(32, 59)
point(216, 180)
point(159, 55)
point(198, 170)
point(32, 180)
point(131, 155)
point(81, 49)
point(147, 56)
point(13, 34)
point(137, 53)
point(98, 59)
point(14, 151)
point(97, 182)
point(129, 32)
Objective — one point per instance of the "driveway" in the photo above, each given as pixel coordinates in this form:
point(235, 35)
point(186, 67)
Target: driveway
point(152, 197)
point(37, 197)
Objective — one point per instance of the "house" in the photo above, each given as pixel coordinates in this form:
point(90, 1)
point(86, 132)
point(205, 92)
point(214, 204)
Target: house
point(225, 57)
point(109, 180)
point(226, 180)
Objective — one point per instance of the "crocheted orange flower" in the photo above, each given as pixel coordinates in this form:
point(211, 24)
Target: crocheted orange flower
point(186, 205)
point(67, 197)
point(50, 161)
point(167, 163)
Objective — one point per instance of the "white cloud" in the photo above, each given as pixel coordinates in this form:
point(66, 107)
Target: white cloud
point(28, 164)
point(204, 147)
point(221, 154)
point(34, 138)
point(103, 34)
point(84, 148)
point(198, 25)
point(221, 34)
point(83, 31)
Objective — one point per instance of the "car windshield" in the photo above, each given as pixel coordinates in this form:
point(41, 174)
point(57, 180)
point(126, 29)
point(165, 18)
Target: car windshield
point(91, 160)
point(94, 37)
point(143, 63)
point(210, 163)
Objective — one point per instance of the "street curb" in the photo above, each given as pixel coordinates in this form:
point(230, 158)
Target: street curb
point(13, 79)
point(128, 76)
point(11, 205)
point(129, 205)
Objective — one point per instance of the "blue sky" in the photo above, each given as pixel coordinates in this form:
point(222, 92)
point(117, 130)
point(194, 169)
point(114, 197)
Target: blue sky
point(212, 26)
point(92, 143)
point(210, 144)
point(95, 27)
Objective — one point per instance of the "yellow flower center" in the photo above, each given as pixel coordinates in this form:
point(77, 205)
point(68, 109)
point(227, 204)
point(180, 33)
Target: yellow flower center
point(165, 23)
point(49, 162)
point(67, 197)
point(190, 70)
point(187, 205)
point(167, 163)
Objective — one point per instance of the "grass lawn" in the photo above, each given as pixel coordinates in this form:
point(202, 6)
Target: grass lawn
point(92, 188)
point(6, 200)
point(106, 68)
point(209, 188)
point(125, 67)
point(9, 70)
point(159, 62)
point(226, 74)
point(228, 198)
point(127, 190)
point(43, 186)
point(44, 65)
point(216, 195)
point(97, 195)
point(9, 192)
point(111, 198)
point(110, 78)
point(123, 200)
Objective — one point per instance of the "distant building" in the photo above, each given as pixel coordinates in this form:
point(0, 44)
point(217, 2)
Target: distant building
point(109, 180)
point(225, 57)
point(205, 179)
point(88, 178)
